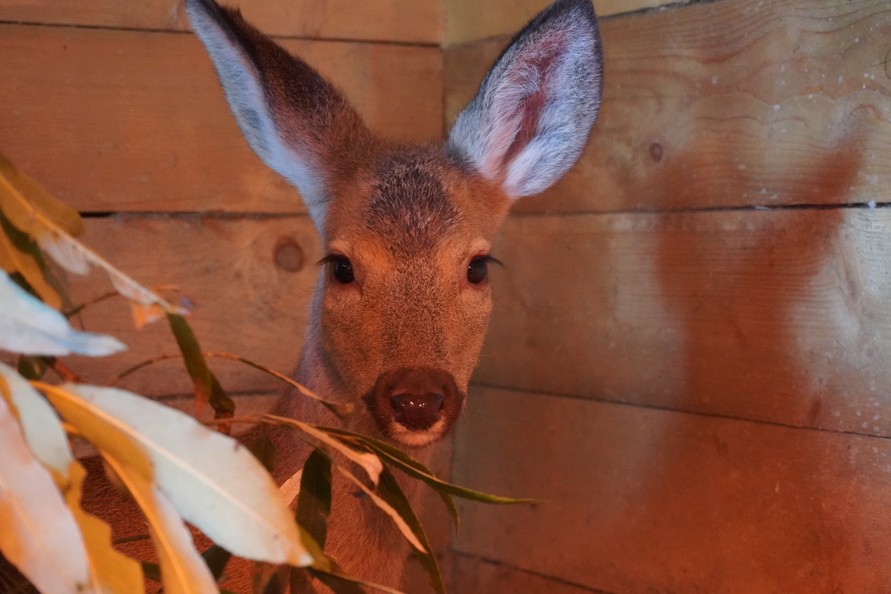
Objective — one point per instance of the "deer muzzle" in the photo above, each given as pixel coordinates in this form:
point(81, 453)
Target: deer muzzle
point(415, 405)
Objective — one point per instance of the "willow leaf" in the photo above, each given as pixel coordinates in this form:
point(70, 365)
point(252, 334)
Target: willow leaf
point(207, 476)
point(39, 535)
point(30, 327)
point(183, 570)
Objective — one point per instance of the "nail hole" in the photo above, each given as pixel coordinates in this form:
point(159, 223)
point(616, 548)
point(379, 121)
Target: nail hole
point(656, 152)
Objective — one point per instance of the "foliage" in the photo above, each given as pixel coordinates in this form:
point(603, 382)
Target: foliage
point(175, 468)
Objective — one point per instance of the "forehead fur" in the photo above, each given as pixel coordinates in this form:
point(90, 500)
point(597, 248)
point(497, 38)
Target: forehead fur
point(409, 204)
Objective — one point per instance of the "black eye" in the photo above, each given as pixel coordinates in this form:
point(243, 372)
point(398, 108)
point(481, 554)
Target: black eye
point(341, 269)
point(478, 270)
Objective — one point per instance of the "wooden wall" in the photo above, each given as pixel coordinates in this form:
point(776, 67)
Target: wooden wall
point(688, 359)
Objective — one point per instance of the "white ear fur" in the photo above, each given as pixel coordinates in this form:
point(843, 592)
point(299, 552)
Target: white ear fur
point(245, 93)
point(529, 121)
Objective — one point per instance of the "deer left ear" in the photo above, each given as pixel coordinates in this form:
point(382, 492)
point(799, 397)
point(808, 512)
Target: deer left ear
point(531, 117)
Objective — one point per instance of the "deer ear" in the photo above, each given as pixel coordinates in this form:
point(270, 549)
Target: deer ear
point(293, 118)
point(531, 117)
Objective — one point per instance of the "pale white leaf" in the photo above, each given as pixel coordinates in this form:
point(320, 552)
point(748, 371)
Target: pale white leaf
point(183, 570)
point(31, 327)
point(39, 422)
point(398, 520)
point(213, 481)
point(64, 252)
point(39, 534)
point(368, 461)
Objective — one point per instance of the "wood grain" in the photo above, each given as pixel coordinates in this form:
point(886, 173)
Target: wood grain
point(780, 316)
point(642, 500)
point(244, 303)
point(727, 103)
point(468, 21)
point(407, 21)
point(114, 121)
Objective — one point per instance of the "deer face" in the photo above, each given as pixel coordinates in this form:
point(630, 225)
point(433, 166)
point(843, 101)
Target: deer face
point(403, 299)
point(406, 293)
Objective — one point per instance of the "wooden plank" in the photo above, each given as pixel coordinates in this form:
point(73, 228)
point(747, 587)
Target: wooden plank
point(728, 103)
point(781, 316)
point(135, 121)
point(468, 21)
point(642, 500)
point(244, 302)
point(407, 21)
point(471, 574)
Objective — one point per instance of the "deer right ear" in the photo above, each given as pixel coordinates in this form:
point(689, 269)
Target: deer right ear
point(292, 117)
point(531, 117)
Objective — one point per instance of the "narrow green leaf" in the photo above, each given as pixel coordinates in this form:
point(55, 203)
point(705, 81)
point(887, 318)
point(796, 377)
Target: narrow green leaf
point(216, 558)
point(344, 584)
point(22, 195)
point(341, 409)
point(413, 468)
point(314, 501)
point(207, 387)
point(32, 367)
point(22, 255)
point(392, 493)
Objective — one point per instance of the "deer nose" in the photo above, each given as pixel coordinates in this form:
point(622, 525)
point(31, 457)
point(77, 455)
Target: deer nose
point(417, 411)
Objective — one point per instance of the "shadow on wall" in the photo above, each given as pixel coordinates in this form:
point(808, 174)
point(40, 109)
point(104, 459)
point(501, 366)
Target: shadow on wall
point(755, 503)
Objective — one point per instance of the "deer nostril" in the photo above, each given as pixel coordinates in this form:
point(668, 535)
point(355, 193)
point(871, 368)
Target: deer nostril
point(417, 411)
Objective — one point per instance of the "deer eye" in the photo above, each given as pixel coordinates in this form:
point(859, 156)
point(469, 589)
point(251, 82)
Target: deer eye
point(478, 269)
point(341, 269)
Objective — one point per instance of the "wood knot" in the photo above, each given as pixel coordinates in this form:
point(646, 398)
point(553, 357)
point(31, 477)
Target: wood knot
point(288, 255)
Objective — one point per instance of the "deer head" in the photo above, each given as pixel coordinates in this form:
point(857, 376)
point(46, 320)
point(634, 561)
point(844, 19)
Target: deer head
point(403, 297)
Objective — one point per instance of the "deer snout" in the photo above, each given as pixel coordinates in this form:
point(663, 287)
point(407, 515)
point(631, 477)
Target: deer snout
point(417, 411)
point(415, 405)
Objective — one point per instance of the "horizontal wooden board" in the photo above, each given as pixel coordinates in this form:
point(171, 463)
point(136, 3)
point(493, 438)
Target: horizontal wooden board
point(781, 316)
point(136, 121)
point(728, 103)
point(244, 303)
point(642, 500)
point(468, 21)
point(408, 21)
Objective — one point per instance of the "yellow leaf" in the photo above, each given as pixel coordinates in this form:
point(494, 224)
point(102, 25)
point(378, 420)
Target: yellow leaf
point(212, 481)
point(183, 570)
point(115, 572)
point(23, 198)
point(39, 534)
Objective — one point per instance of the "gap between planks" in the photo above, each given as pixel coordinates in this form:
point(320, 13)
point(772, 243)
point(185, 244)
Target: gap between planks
point(703, 209)
point(682, 411)
point(149, 30)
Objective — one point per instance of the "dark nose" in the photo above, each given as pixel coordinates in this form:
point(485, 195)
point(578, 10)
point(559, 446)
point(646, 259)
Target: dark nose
point(416, 398)
point(417, 411)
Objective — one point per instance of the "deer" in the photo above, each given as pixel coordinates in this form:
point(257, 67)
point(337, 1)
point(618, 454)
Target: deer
point(403, 296)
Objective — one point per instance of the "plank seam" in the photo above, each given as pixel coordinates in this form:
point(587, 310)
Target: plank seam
point(872, 205)
point(417, 44)
point(193, 215)
point(557, 580)
point(682, 411)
